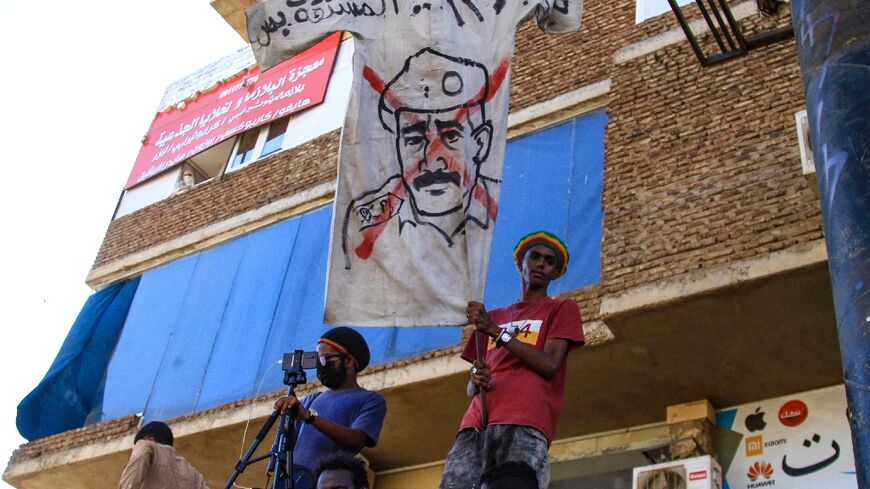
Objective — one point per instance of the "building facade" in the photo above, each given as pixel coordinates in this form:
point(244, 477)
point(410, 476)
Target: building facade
point(700, 273)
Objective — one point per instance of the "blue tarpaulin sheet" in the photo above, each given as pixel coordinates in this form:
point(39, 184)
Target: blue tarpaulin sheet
point(71, 388)
point(211, 328)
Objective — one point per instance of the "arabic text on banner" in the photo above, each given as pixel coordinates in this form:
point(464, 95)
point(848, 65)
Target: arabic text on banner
point(246, 101)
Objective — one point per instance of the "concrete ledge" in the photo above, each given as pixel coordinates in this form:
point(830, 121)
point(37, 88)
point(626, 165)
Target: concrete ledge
point(597, 333)
point(19, 470)
point(623, 440)
point(710, 279)
point(576, 448)
point(558, 109)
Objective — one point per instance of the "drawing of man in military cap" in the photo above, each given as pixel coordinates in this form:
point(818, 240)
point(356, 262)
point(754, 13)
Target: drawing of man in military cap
point(436, 109)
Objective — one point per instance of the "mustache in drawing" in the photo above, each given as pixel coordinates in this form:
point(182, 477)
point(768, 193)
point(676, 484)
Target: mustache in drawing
point(431, 178)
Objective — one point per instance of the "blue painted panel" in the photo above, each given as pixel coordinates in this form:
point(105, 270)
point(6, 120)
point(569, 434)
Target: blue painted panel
point(138, 355)
point(410, 342)
point(298, 320)
point(309, 262)
point(231, 374)
point(177, 386)
point(552, 181)
point(585, 216)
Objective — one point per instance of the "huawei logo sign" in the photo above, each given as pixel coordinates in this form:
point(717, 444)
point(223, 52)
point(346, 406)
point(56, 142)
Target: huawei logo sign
point(760, 469)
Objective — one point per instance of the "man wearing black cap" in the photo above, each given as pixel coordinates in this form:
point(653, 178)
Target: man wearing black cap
point(345, 416)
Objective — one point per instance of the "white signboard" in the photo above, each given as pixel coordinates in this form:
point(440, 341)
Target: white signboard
point(800, 441)
point(422, 146)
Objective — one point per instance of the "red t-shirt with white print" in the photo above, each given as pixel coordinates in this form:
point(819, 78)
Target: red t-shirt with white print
point(517, 395)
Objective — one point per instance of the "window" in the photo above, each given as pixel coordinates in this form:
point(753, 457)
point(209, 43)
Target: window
point(308, 124)
point(245, 150)
point(652, 8)
point(275, 136)
point(257, 143)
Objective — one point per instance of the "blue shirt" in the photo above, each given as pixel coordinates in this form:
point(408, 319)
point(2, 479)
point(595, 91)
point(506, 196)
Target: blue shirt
point(357, 409)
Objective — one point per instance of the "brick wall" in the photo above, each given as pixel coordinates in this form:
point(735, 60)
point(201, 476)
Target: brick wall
point(257, 185)
point(89, 435)
point(547, 65)
point(702, 164)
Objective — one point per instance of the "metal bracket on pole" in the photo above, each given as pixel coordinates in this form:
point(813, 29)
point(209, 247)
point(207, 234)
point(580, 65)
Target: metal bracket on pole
point(729, 37)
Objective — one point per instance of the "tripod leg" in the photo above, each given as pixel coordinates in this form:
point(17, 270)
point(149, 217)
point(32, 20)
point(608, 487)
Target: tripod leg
point(282, 454)
point(245, 460)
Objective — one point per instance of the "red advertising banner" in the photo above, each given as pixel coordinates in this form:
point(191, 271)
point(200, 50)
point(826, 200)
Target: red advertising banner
point(249, 99)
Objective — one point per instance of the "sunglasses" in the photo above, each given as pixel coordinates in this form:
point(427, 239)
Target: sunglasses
point(324, 359)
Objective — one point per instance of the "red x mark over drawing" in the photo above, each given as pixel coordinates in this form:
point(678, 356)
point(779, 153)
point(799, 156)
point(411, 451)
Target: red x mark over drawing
point(371, 234)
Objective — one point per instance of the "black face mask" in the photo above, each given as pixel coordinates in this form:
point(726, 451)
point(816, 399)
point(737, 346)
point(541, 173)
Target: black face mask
point(332, 374)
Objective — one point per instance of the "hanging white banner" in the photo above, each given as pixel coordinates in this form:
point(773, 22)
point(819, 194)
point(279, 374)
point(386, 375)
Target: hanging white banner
point(422, 146)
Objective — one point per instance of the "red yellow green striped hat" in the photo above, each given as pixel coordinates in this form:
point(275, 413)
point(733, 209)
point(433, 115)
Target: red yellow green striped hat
point(542, 238)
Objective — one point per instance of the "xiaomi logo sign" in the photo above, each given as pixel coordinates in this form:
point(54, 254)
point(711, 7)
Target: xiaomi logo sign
point(754, 445)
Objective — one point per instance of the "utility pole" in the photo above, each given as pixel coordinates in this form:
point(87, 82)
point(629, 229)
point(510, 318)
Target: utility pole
point(833, 44)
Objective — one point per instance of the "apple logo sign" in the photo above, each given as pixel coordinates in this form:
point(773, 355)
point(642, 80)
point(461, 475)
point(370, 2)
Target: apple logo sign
point(755, 422)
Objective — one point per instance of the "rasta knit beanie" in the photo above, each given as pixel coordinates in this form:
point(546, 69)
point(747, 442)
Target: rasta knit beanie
point(542, 238)
point(349, 342)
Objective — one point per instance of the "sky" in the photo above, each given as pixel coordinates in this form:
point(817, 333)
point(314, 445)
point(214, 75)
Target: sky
point(80, 85)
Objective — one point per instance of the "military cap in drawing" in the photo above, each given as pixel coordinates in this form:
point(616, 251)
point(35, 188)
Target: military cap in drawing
point(542, 238)
point(431, 82)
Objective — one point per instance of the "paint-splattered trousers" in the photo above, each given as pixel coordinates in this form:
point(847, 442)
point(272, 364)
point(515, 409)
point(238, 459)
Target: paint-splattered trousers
point(477, 451)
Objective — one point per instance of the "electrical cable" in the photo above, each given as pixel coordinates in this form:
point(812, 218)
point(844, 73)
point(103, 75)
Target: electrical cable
point(250, 414)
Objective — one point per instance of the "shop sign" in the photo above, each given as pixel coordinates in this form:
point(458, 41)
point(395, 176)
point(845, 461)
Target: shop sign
point(245, 101)
point(792, 442)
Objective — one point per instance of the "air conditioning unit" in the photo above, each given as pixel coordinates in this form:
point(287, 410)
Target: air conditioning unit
point(691, 473)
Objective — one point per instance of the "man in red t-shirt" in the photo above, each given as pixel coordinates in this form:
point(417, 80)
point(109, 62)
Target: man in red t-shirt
point(522, 372)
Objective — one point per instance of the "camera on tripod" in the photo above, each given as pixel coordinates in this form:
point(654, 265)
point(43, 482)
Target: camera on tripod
point(280, 456)
point(295, 364)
